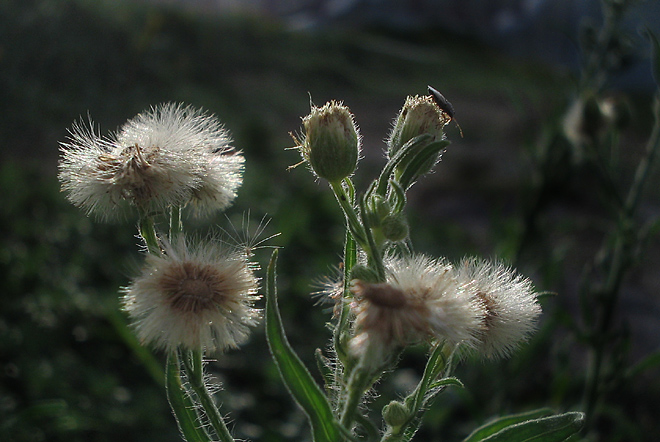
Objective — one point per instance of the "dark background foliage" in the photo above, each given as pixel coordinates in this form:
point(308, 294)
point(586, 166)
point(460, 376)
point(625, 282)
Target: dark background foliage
point(70, 369)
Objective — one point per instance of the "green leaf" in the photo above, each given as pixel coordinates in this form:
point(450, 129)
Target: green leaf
point(323, 365)
point(496, 425)
point(445, 382)
point(402, 155)
point(555, 428)
point(181, 403)
point(419, 163)
point(295, 375)
point(398, 196)
point(434, 365)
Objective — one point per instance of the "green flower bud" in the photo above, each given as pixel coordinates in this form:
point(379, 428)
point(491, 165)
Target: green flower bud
point(332, 143)
point(377, 208)
point(394, 227)
point(395, 414)
point(364, 273)
point(381, 206)
point(419, 115)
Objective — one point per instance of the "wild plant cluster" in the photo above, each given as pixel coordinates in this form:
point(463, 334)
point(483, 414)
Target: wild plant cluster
point(195, 298)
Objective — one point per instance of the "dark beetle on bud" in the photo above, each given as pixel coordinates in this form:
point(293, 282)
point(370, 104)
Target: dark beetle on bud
point(444, 105)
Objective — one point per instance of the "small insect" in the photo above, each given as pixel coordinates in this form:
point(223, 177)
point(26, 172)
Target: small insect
point(444, 105)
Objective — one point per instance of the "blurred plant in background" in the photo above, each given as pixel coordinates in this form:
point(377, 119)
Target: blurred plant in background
point(588, 142)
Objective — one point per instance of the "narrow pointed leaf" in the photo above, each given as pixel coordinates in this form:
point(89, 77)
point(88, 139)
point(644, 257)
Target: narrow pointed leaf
point(445, 382)
point(434, 365)
point(496, 425)
point(295, 375)
point(324, 368)
point(555, 428)
point(401, 156)
point(182, 405)
point(418, 164)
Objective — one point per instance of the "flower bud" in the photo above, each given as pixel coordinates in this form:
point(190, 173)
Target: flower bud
point(381, 206)
point(332, 143)
point(364, 273)
point(419, 115)
point(394, 227)
point(395, 414)
point(377, 208)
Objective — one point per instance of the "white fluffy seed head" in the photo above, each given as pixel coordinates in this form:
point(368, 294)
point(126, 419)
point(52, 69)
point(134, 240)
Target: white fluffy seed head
point(509, 301)
point(193, 297)
point(421, 300)
point(170, 155)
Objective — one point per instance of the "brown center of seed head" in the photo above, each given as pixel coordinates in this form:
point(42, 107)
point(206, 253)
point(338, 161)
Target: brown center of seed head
point(383, 295)
point(490, 307)
point(192, 288)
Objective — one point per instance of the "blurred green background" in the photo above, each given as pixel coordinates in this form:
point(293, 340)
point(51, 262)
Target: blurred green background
point(70, 369)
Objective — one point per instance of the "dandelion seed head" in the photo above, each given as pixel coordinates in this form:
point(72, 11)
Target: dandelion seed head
point(195, 297)
point(509, 302)
point(170, 155)
point(222, 176)
point(420, 300)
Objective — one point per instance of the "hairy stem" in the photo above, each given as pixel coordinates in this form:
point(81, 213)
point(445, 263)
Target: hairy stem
point(195, 370)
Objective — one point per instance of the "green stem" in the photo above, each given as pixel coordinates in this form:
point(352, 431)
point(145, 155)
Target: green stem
point(596, 67)
point(176, 226)
point(182, 404)
point(147, 229)
point(195, 370)
point(392, 436)
point(373, 251)
point(358, 384)
point(346, 203)
point(340, 332)
point(439, 362)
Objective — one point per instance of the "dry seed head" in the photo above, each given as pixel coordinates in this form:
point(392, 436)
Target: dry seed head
point(170, 155)
point(509, 302)
point(193, 296)
point(421, 300)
